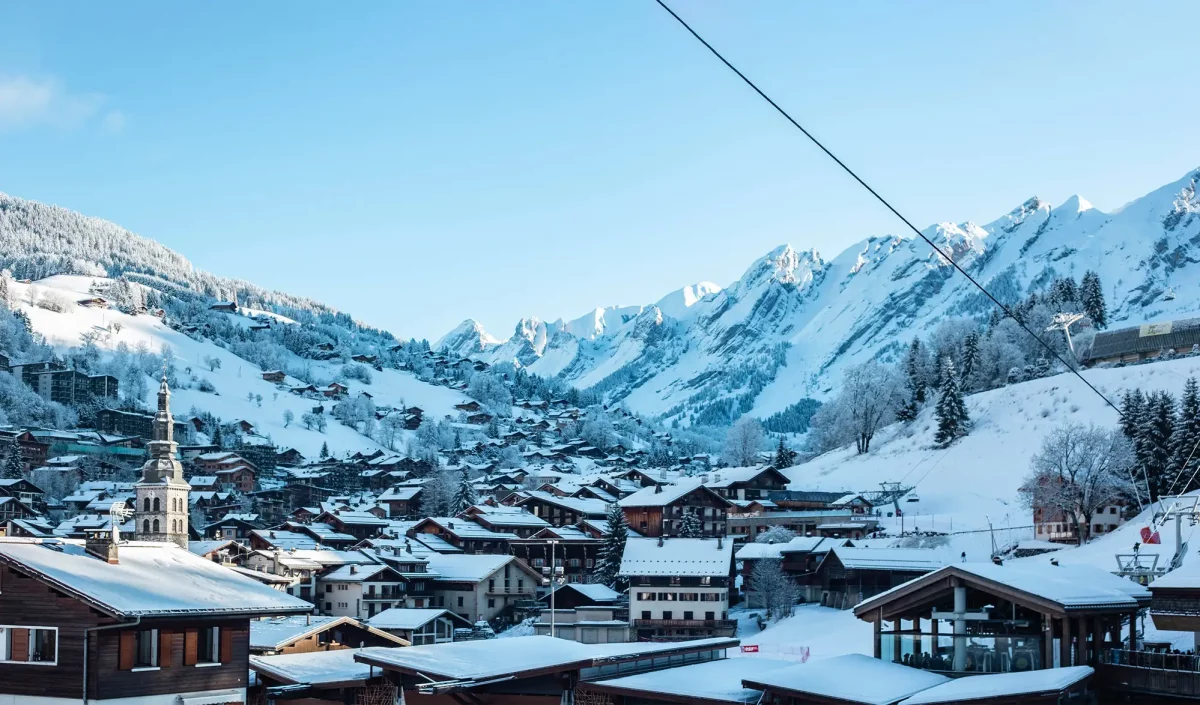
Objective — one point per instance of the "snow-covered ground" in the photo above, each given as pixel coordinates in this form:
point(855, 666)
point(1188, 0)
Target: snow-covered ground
point(812, 632)
point(234, 379)
point(975, 481)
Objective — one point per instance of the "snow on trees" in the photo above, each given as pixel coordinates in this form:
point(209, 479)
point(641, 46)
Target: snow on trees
point(1078, 470)
point(1185, 441)
point(690, 526)
point(608, 564)
point(464, 494)
point(951, 412)
point(773, 589)
point(784, 457)
point(869, 397)
point(775, 534)
point(288, 417)
point(742, 442)
point(915, 363)
point(1091, 296)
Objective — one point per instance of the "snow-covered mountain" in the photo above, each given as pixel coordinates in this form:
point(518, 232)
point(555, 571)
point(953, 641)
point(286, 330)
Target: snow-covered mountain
point(795, 319)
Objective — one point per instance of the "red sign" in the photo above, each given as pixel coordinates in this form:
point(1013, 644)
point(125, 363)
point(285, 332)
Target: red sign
point(1150, 536)
point(750, 649)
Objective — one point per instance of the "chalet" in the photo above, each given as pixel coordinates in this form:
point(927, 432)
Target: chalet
point(365, 359)
point(520, 522)
point(303, 389)
point(430, 625)
point(664, 510)
point(233, 527)
point(360, 525)
point(464, 534)
point(363, 591)
point(133, 423)
point(847, 575)
point(799, 558)
point(679, 588)
point(224, 551)
point(289, 457)
point(575, 552)
point(13, 508)
point(308, 634)
point(1145, 342)
point(479, 418)
point(33, 451)
point(335, 390)
point(28, 528)
point(324, 534)
point(479, 587)
point(181, 638)
point(402, 502)
point(563, 511)
point(469, 406)
point(274, 376)
point(21, 489)
point(224, 306)
point(745, 483)
point(835, 523)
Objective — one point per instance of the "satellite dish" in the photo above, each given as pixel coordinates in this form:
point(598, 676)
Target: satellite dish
point(118, 514)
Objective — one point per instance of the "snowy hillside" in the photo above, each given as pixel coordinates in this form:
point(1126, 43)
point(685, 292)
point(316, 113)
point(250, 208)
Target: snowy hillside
point(234, 379)
point(795, 319)
point(976, 479)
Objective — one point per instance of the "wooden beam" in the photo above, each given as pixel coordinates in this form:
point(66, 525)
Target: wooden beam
point(1048, 655)
point(878, 638)
point(1065, 649)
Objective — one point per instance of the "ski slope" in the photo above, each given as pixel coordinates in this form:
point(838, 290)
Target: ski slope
point(234, 380)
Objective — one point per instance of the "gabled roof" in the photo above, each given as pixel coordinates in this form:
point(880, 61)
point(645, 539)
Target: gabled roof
point(151, 580)
point(329, 669)
point(898, 559)
point(662, 495)
point(1063, 588)
point(704, 683)
point(279, 632)
point(470, 567)
point(1011, 687)
point(592, 591)
point(677, 557)
point(587, 507)
point(409, 619)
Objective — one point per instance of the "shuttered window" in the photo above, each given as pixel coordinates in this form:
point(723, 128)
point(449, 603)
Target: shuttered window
point(28, 645)
point(191, 639)
point(127, 651)
point(164, 649)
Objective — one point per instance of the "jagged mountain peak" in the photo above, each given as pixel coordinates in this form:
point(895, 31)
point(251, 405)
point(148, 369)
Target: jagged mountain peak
point(466, 339)
point(784, 265)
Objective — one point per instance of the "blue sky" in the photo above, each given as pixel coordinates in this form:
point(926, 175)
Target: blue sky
point(419, 163)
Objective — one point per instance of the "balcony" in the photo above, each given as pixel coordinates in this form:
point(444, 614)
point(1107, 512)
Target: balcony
point(502, 590)
point(1149, 673)
point(719, 627)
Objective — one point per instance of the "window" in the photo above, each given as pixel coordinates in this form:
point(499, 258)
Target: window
point(29, 645)
point(157, 506)
point(491, 602)
point(156, 526)
point(328, 606)
point(207, 644)
point(145, 650)
point(645, 614)
point(589, 563)
point(328, 587)
point(146, 504)
point(666, 614)
point(706, 580)
point(646, 596)
point(688, 615)
point(460, 601)
point(520, 584)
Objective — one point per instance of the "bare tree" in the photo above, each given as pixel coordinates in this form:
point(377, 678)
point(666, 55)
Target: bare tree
point(1078, 470)
point(870, 395)
point(288, 417)
point(772, 589)
point(743, 441)
point(213, 363)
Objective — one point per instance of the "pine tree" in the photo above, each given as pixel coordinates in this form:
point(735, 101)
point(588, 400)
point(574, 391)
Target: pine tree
point(784, 456)
point(1091, 296)
point(464, 494)
point(217, 440)
point(914, 371)
point(690, 526)
point(971, 359)
point(1133, 407)
point(1153, 445)
point(1185, 441)
point(11, 462)
point(952, 417)
point(608, 565)
point(324, 450)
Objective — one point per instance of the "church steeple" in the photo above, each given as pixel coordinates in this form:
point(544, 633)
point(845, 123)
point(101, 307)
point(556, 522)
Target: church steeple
point(161, 513)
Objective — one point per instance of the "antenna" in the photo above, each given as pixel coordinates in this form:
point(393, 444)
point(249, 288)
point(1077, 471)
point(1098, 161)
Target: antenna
point(118, 514)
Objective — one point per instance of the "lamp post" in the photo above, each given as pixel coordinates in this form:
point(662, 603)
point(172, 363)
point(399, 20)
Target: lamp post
point(553, 585)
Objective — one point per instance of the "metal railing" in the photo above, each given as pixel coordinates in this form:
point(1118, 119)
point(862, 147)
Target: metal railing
point(1151, 659)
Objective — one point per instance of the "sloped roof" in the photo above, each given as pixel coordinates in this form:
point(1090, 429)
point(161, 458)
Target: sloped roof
point(151, 579)
point(900, 559)
point(410, 618)
point(676, 556)
point(853, 678)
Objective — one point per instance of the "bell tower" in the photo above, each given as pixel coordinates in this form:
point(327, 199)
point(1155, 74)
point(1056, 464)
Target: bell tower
point(161, 494)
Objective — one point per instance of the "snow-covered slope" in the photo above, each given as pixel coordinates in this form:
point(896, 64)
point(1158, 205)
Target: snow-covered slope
point(795, 319)
point(234, 379)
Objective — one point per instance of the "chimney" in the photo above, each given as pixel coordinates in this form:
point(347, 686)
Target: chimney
point(101, 545)
point(660, 541)
point(275, 562)
point(657, 488)
point(353, 570)
point(720, 542)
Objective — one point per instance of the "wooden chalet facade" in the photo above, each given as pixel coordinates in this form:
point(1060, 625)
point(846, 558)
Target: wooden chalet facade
point(660, 510)
point(575, 552)
point(115, 638)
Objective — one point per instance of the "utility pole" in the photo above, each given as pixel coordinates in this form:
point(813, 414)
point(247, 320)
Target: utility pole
point(553, 585)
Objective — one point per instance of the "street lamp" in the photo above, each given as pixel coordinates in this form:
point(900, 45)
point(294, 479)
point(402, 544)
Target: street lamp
point(553, 585)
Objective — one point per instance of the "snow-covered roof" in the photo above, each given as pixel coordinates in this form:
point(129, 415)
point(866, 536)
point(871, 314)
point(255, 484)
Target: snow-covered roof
point(496, 658)
point(652, 496)
point(593, 591)
point(716, 681)
point(354, 573)
point(278, 632)
point(1026, 684)
point(583, 505)
point(405, 618)
point(682, 557)
point(399, 493)
point(853, 678)
point(902, 559)
point(724, 477)
point(521, 518)
point(150, 579)
point(1184, 577)
point(316, 668)
point(466, 567)
point(467, 528)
